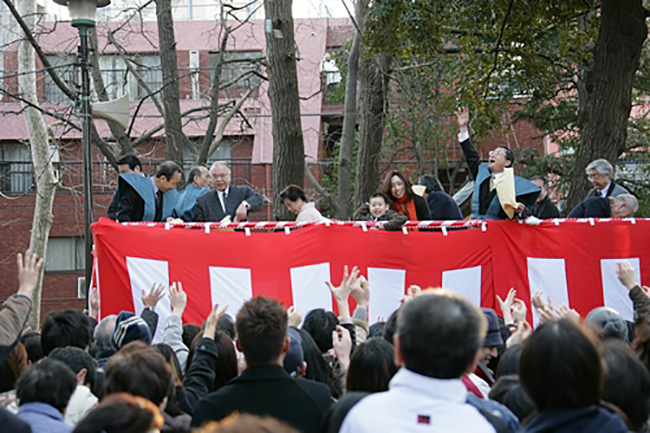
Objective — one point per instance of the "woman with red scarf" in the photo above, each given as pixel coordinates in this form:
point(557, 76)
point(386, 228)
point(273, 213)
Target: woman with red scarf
point(404, 200)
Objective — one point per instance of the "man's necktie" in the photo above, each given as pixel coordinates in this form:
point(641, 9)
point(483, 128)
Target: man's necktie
point(159, 206)
point(225, 197)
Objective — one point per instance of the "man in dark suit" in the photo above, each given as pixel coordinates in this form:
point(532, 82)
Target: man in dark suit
point(441, 205)
point(601, 175)
point(544, 207)
point(149, 198)
point(265, 388)
point(622, 206)
point(226, 199)
point(127, 164)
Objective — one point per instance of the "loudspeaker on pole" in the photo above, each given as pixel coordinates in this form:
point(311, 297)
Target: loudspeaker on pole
point(116, 111)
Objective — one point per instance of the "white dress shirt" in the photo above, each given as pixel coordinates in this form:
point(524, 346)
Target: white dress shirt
point(603, 192)
point(221, 198)
point(416, 403)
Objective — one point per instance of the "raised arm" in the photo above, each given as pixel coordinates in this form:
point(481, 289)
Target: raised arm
point(470, 153)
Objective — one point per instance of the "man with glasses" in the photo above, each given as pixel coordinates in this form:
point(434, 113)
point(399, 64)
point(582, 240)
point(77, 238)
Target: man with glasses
point(600, 173)
point(485, 202)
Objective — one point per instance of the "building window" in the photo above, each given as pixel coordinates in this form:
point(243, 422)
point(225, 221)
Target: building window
point(239, 64)
point(223, 153)
point(16, 170)
point(65, 67)
point(65, 255)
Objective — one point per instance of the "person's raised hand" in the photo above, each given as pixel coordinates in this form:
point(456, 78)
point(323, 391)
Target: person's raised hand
point(342, 292)
point(520, 207)
point(523, 331)
point(177, 299)
point(94, 302)
point(411, 292)
point(519, 311)
point(342, 345)
point(241, 214)
point(361, 292)
point(546, 313)
point(156, 294)
point(626, 274)
point(211, 322)
point(506, 306)
point(462, 116)
point(28, 272)
point(537, 301)
point(563, 311)
point(294, 316)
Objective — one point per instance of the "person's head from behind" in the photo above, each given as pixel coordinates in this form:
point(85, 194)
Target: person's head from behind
point(390, 327)
point(500, 158)
point(600, 173)
point(262, 331)
point(220, 174)
point(245, 423)
point(141, 370)
point(430, 184)
point(320, 324)
point(122, 413)
point(199, 176)
point(397, 186)
point(32, 342)
point(129, 164)
point(102, 336)
point(541, 183)
point(65, 328)
point(508, 391)
point(190, 330)
point(227, 325)
point(172, 360)
point(293, 198)
point(168, 174)
point(509, 361)
point(372, 366)
point(79, 361)
point(574, 382)
point(12, 367)
point(607, 323)
point(623, 206)
point(48, 381)
point(318, 368)
point(627, 382)
point(439, 334)
point(129, 328)
point(379, 204)
point(225, 366)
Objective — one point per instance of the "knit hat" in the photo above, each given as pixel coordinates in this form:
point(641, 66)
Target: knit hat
point(609, 323)
point(295, 357)
point(493, 336)
point(128, 328)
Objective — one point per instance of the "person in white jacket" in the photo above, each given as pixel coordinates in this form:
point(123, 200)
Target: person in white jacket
point(83, 366)
point(293, 197)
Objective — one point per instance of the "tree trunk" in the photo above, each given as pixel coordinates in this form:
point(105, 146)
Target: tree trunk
point(373, 77)
point(288, 146)
point(349, 119)
point(46, 182)
point(176, 139)
point(608, 85)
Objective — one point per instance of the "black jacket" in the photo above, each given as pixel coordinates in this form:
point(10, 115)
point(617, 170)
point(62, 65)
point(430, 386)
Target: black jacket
point(421, 208)
point(545, 209)
point(443, 207)
point(130, 206)
point(208, 206)
point(393, 219)
point(595, 207)
point(591, 419)
point(268, 390)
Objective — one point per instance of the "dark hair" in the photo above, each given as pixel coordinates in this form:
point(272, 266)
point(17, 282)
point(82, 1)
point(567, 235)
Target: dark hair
point(430, 183)
point(380, 195)
point(194, 172)
point(190, 330)
point(574, 382)
point(12, 367)
point(508, 361)
point(440, 334)
point(293, 193)
point(542, 178)
point(227, 325)
point(65, 328)
point(508, 391)
point(386, 187)
point(390, 327)
point(261, 330)
point(510, 155)
point(372, 366)
point(77, 360)
point(376, 329)
point(32, 342)
point(121, 413)
point(246, 423)
point(320, 324)
point(168, 169)
point(225, 366)
point(170, 356)
point(318, 369)
point(627, 382)
point(49, 381)
point(131, 160)
point(139, 369)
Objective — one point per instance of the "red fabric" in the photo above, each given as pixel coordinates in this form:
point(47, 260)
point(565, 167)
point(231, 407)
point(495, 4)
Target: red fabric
point(471, 387)
point(408, 203)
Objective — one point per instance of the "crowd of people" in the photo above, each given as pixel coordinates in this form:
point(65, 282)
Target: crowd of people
point(438, 363)
point(497, 193)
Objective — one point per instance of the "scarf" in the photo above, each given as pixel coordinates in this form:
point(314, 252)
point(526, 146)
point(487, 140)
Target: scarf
point(410, 212)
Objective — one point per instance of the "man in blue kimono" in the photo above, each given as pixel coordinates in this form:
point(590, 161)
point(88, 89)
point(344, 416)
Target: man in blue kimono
point(485, 201)
point(149, 198)
point(198, 182)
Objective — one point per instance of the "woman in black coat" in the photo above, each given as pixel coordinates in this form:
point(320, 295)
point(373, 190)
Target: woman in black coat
point(404, 200)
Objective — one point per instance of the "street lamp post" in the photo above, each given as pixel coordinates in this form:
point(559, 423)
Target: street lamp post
point(82, 16)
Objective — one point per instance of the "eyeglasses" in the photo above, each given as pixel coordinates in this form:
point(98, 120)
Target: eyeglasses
point(593, 176)
point(497, 152)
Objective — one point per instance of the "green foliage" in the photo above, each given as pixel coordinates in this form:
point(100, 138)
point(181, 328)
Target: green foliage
point(336, 92)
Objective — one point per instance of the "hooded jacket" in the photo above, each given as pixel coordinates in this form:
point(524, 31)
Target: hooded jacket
point(592, 419)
